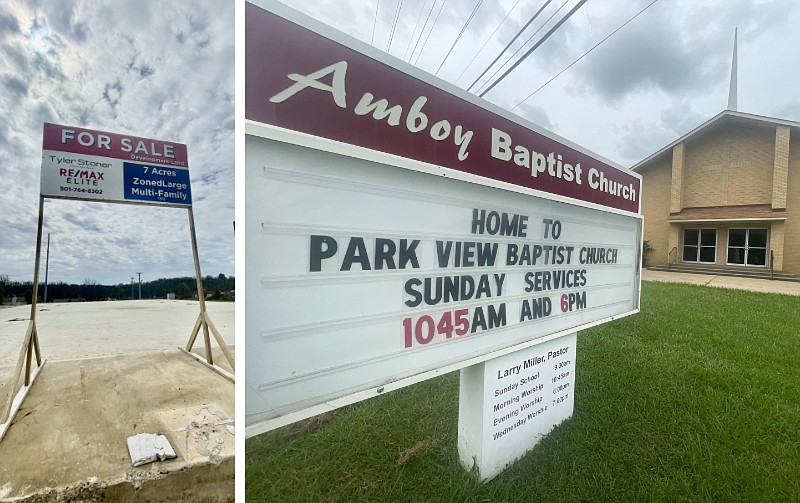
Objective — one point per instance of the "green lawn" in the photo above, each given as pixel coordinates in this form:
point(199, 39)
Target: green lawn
point(696, 398)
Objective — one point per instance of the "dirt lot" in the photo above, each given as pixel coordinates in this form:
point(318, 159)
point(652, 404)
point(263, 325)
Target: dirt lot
point(113, 371)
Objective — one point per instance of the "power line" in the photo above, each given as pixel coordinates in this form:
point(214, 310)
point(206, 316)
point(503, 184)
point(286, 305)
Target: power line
point(375, 23)
point(431, 31)
point(522, 47)
point(487, 41)
point(585, 54)
point(536, 45)
point(419, 18)
point(463, 29)
point(394, 24)
point(509, 44)
point(420, 32)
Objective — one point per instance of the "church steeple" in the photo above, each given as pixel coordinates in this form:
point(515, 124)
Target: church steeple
point(732, 98)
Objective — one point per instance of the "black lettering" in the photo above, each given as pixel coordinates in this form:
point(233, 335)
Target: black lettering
point(487, 254)
point(499, 279)
point(509, 227)
point(478, 320)
point(384, 253)
point(497, 317)
point(467, 281)
point(408, 253)
point(525, 256)
point(356, 252)
point(580, 300)
point(559, 255)
point(483, 289)
point(432, 301)
point(451, 289)
point(546, 280)
point(492, 223)
point(478, 219)
point(525, 312)
point(545, 307)
point(537, 253)
point(443, 249)
point(528, 282)
point(318, 254)
point(557, 279)
point(469, 254)
point(511, 254)
point(417, 297)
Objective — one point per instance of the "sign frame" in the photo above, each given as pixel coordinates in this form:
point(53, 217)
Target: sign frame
point(24, 374)
point(256, 425)
point(260, 423)
point(104, 150)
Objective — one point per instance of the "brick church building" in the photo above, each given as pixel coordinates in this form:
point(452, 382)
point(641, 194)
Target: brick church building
point(727, 194)
point(725, 197)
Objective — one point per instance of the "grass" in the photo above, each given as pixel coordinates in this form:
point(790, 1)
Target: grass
point(696, 398)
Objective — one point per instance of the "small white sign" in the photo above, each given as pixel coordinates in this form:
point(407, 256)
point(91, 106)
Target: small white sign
point(508, 404)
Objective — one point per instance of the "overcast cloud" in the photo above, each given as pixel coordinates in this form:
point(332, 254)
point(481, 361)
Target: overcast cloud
point(165, 70)
point(661, 76)
point(146, 68)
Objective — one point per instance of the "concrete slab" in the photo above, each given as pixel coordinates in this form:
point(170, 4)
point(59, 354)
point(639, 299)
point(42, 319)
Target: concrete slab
point(68, 441)
point(751, 284)
point(89, 329)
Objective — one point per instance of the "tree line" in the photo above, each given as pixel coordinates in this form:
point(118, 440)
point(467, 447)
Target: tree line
point(216, 287)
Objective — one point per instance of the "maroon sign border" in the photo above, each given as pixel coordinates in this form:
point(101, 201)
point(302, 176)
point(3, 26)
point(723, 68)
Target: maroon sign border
point(276, 47)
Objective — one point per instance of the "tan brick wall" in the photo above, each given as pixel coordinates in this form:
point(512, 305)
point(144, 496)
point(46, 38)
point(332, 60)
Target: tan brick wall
point(676, 187)
point(791, 229)
point(722, 243)
point(674, 240)
point(781, 167)
point(656, 196)
point(731, 166)
point(776, 243)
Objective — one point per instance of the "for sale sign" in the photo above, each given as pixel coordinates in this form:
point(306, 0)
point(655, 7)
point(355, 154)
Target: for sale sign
point(79, 163)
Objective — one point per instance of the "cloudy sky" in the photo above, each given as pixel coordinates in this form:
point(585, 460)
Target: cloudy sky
point(665, 73)
point(152, 68)
point(165, 70)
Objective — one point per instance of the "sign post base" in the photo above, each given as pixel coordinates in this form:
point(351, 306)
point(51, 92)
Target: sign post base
point(508, 404)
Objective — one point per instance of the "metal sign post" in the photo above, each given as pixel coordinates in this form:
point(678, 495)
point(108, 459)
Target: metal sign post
point(203, 319)
point(30, 345)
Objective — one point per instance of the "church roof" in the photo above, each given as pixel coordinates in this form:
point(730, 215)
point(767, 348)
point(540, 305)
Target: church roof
point(725, 118)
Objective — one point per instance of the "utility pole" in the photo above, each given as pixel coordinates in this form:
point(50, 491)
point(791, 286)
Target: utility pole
point(140, 285)
point(131, 287)
point(46, 267)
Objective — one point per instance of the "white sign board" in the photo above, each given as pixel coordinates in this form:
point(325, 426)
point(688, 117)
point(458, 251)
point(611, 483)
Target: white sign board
point(508, 404)
point(361, 274)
